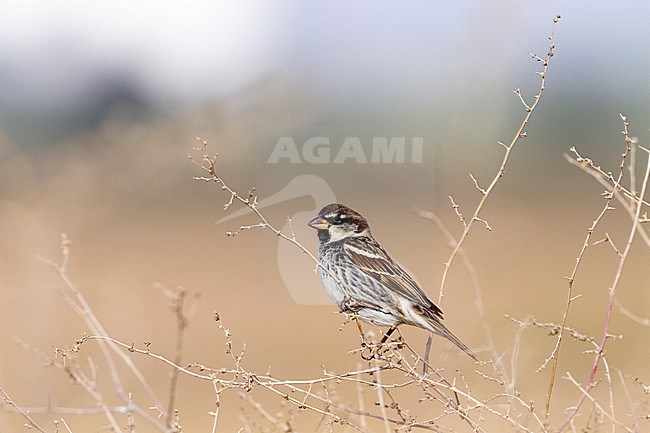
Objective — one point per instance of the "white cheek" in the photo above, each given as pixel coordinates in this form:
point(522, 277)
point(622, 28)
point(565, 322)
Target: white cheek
point(336, 234)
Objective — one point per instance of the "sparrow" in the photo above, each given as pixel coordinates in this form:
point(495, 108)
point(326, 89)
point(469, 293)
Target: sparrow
point(362, 278)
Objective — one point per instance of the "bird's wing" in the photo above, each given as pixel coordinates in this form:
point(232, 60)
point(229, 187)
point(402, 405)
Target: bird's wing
point(373, 260)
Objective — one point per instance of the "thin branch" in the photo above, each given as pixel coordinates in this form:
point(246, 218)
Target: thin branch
point(635, 418)
point(382, 404)
point(607, 207)
point(209, 164)
point(519, 134)
point(638, 319)
point(78, 302)
point(607, 180)
point(30, 421)
point(478, 292)
point(610, 305)
point(602, 410)
point(177, 300)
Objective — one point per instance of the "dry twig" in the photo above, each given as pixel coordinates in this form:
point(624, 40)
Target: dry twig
point(519, 134)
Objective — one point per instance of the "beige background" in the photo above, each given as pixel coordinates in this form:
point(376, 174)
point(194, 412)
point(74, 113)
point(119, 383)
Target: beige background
point(122, 191)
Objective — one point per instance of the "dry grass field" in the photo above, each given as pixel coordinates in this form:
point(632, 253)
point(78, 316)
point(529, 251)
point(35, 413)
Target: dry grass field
point(116, 269)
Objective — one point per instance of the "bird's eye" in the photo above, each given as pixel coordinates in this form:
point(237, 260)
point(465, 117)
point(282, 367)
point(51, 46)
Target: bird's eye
point(337, 219)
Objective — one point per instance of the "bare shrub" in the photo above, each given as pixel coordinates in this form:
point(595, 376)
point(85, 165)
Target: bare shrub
point(395, 386)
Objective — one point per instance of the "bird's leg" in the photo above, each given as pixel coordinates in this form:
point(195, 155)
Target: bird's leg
point(387, 334)
point(351, 306)
point(374, 351)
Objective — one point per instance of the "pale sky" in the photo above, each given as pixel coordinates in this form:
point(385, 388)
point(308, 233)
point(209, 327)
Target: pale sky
point(53, 53)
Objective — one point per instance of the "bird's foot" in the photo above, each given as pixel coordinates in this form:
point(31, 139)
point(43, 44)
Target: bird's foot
point(378, 350)
point(352, 306)
point(349, 305)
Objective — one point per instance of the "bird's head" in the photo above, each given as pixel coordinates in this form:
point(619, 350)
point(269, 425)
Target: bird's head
point(335, 222)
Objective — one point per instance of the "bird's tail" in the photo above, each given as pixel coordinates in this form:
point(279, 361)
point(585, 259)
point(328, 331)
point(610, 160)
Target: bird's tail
point(435, 325)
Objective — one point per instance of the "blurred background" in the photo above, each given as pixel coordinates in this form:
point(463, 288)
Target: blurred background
point(100, 104)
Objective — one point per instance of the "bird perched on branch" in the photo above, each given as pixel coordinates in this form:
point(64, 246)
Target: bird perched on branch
point(362, 278)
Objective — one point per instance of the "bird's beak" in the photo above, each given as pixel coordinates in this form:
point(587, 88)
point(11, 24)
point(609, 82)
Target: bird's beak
point(319, 223)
